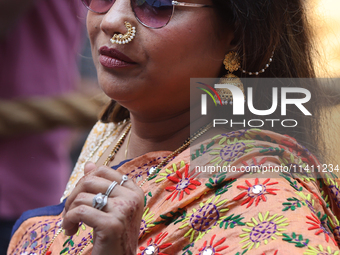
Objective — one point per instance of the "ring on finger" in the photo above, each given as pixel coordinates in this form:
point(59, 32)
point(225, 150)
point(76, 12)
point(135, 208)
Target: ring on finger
point(110, 188)
point(99, 201)
point(124, 179)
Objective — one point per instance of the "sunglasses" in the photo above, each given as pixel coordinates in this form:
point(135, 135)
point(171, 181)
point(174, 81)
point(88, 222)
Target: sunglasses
point(150, 13)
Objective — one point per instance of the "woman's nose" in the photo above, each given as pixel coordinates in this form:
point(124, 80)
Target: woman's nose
point(114, 20)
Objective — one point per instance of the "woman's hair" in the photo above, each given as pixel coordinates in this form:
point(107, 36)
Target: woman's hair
point(261, 26)
point(264, 25)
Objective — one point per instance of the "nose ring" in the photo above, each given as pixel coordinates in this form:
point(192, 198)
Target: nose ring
point(124, 38)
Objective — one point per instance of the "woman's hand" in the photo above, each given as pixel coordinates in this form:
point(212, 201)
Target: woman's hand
point(116, 226)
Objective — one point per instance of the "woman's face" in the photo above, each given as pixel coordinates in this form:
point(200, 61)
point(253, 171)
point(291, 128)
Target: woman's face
point(192, 45)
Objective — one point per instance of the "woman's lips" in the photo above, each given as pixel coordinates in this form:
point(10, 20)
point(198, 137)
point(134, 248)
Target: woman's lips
point(112, 58)
point(110, 62)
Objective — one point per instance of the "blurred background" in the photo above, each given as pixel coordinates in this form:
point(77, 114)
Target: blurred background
point(50, 99)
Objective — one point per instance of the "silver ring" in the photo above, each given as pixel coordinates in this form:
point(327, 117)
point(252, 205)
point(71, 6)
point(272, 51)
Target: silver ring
point(124, 179)
point(110, 188)
point(99, 201)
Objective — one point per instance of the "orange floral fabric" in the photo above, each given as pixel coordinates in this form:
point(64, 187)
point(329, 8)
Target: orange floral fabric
point(284, 207)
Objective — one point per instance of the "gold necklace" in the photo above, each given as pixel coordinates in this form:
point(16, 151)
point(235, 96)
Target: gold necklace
point(117, 146)
point(153, 171)
point(127, 145)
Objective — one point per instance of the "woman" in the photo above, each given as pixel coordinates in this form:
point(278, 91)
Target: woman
point(153, 202)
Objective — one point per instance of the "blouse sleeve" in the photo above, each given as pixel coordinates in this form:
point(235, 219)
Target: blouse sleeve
point(100, 137)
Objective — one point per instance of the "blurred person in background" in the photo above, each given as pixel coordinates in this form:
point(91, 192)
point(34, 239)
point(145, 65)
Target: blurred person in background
point(39, 45)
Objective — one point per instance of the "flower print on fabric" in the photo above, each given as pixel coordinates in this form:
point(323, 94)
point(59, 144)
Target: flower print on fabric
point(154, 247)
point(320, 251)
point(171, 217)
point(71, 246)
point(142, 172)
point(296, 239)
point(239, 135)
point(292, 203)
point(228, 153)
point(334, 190)
point(224, 187)
point(213, 247)
point(203, 219)
point(335, 225)
point(164, 174)
point(146, 222)
point(232, 221)
point(275, 253)
point(319, 225)
point(202, 150)
point(183, 184)
point(255, 192)
point(38, 237)
point(263, 230)
point(308, 201)
point(219, 183)
point(255, 166)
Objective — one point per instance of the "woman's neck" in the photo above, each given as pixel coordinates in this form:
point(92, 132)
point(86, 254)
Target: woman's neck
point(158, 134)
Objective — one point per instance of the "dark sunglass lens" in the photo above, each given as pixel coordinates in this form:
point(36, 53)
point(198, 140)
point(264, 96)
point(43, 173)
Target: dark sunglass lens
point(100, 6)
point(153, 13)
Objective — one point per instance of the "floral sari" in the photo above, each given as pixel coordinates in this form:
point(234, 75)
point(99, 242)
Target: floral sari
point(244, 192)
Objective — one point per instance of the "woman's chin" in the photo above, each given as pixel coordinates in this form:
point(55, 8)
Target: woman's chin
point(123, 94)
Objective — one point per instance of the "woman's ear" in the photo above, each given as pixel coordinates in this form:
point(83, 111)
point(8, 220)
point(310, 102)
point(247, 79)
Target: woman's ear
point(232, 39)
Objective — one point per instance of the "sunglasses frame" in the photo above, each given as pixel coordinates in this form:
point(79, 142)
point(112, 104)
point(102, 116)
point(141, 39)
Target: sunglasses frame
point(174, 3)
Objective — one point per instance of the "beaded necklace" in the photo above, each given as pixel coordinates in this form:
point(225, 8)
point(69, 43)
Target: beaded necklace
point(153, 171)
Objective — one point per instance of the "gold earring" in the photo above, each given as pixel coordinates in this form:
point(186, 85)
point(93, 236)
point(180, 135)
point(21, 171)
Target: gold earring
point(124, 38)
point(232, 63)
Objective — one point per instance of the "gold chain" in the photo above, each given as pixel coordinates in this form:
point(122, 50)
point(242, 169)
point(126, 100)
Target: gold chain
point(127, 145)
point(51, 242)
point(82, 250)
point(153, 170)
point(117, 146)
